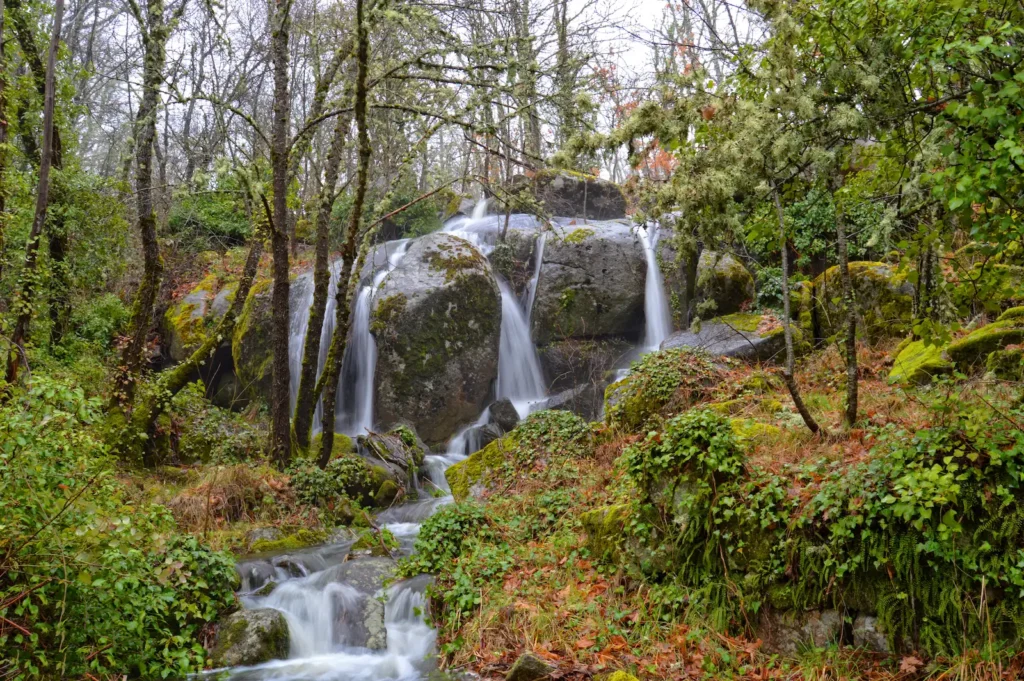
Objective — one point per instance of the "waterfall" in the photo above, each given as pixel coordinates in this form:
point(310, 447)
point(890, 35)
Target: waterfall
point(538, 259)
point(656, 308)
point(519, 375)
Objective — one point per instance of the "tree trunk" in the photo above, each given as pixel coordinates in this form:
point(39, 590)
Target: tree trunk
point(3, 140)
point(280, 397)
point(305, 402)
point(787, 326)
point(28, 274)
point(850, 312)
point(346, 284)
point(154, 42)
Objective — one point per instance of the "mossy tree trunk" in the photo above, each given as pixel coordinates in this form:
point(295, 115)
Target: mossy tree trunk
point(347, 284)
point(154, 31)
point(280, 396)
point(850, 319)
point(57, 238)
point(787, 325)
point(307, 395)
point(171, 382)
point(28, 273)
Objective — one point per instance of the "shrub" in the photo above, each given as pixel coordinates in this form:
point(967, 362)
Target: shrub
point(443, 537)
point(89, 582)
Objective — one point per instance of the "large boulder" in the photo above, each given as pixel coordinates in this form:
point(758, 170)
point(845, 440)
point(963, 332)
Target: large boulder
point(884, 301)
point(725, 280)
point(568, 194)
point(591, 283)
point(917, 362)
point(251, 637)
point(971, 351)
point(400, 452)
point(742, 336)
point(437, 321)
point(362, 624)
point(573, 362)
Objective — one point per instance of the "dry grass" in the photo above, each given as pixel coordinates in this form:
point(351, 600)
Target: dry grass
point(226, 494)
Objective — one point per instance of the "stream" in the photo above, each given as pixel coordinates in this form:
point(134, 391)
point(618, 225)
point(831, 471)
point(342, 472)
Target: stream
point(323, 597)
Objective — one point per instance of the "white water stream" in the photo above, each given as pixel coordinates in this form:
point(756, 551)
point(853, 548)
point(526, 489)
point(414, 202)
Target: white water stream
point(322, 605)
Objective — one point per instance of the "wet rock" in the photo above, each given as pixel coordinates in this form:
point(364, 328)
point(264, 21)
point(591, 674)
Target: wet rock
point(569, 194)
point(574, 362)
point(250, 343)
point(884, 301)
point(591, 284)
point(251, 637)
point(785, 632)
point(866, 634)
point(265, 534)
point(723, 279)
point(399, 451)
point(529, 667)
point(504, 415)
point(585, 401)
point(363, 621)
point(437, 322)
point(266, 589)
point(741, 335)
point(487, 434)
point(255, 574)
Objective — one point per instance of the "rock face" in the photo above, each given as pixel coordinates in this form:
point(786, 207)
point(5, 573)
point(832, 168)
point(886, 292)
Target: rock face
point(884, 301)
point(250, 343)
point(251, 637)
point(591, 284)
point(571, 363)
point(787, 631)
point(400, 452)
point(575, 195)
point(741, 335)
point(437, 321)
point(723, 279)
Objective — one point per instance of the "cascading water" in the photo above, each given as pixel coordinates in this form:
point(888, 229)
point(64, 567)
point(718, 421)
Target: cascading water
point(354, 411)
point(538, 260)
point(519, 375)
point(656, 307)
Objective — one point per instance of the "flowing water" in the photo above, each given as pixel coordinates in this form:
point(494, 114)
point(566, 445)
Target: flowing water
point(320, 598)
point(656, 308)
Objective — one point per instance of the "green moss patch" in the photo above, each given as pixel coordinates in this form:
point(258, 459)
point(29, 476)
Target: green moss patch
point(917, 363)
point(971, 351)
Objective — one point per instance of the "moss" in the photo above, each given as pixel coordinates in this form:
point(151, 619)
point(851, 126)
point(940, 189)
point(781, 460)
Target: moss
point(475, 469)
point(266, 589)
point(577, 236)
point(917, 363)
point(741, 321)
point(455, 260)
point(377, 543)
point(386, 493)
point(250, 342)
point(972, 350)
point(1012, 313)
point(387, 311)
point(747, 430)
point(300, 540)
point(604, 527)
point(883, 299)
point(620, 676)
point(728, 406)
point(1006, 365)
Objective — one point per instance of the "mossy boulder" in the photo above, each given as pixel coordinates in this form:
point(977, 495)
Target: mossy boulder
point(725, 280)
point(251, 345)
point(300, 539)
point(399, 450)
point(749, 430)
point(591, 284)
point(189, 319)
point(564, 193)
point(437, 321)
point(971, 351)
point(604, 527)
point(472, 476)
point(250, 637)
point(573, 362)
point(918, 362)
point(542, 436)
point(666, 381)
point(1006, 365)
point(883, 300)
point(740, 335)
